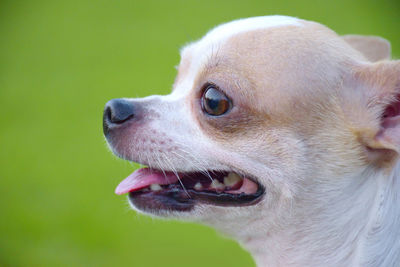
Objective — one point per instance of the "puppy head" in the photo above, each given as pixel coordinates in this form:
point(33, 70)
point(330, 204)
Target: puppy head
point(261, 109)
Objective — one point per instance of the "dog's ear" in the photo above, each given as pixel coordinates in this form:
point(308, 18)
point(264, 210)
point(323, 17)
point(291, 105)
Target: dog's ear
point(374, 48)
point(381, 83)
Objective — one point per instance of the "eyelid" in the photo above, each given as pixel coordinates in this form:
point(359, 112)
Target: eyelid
point(211, 84)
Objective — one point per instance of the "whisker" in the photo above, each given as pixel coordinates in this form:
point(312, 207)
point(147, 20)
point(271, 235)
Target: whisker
point(149, 162)
point(179, 179)
point(199, 166)
point(159, 159)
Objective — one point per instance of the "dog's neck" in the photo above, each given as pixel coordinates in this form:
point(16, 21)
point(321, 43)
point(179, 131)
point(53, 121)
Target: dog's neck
point(354, 224)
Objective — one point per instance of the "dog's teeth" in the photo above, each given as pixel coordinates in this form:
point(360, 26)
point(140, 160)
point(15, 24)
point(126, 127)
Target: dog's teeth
point(231, 179)
point(145, 190)
point(155, 187)
point(217, 185)
point(198, 186)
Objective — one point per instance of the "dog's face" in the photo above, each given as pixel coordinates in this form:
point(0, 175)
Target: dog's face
point(264, 113)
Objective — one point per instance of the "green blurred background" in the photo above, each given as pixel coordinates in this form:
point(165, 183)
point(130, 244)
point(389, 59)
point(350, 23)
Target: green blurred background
point(60, 61)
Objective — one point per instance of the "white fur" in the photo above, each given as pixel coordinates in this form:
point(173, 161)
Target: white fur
point(224, 31)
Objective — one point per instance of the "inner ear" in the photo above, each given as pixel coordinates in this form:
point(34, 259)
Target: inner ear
point(385, 81)
point(391, 111)
point(373, 48)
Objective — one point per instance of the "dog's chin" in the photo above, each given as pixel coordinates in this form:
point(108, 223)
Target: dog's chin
point(167, 194)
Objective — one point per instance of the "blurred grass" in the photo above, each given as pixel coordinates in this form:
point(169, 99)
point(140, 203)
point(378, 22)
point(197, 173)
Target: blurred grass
point(60, 61)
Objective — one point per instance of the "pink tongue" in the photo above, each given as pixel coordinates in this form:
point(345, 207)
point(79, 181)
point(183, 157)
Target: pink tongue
point(142, 178)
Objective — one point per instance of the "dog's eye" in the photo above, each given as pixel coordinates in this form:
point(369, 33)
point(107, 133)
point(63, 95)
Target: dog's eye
point(214, 102)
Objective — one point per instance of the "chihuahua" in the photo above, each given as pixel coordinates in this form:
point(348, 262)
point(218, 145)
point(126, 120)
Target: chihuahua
point(278, 133)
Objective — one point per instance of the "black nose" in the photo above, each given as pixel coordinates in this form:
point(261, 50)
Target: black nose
point(117, 111)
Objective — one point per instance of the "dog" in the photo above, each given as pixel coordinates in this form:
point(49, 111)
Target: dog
point(278, 133)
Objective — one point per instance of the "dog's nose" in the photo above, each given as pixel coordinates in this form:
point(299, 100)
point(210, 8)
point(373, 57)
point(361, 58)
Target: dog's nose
point(119, 111)
point(116, 112)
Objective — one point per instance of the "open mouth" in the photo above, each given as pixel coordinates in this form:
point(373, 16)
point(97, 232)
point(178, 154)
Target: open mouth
point(151, 189)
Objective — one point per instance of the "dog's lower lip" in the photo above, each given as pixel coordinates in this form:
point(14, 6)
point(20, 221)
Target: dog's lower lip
point(152, 189)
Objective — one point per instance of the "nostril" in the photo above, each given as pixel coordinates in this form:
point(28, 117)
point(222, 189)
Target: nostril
point(106, 116)
point(107, 113)
point(120, 120)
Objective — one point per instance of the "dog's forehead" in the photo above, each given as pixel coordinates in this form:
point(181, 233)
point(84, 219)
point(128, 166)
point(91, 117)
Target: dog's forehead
point(195, 55)
point(229, 29)
point(223, 32)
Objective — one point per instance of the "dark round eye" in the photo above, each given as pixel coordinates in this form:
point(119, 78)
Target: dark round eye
point(215, 102)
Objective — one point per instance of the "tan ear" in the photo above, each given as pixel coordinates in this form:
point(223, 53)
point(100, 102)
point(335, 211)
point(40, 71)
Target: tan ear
point(381, 82)
point(374, 48)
